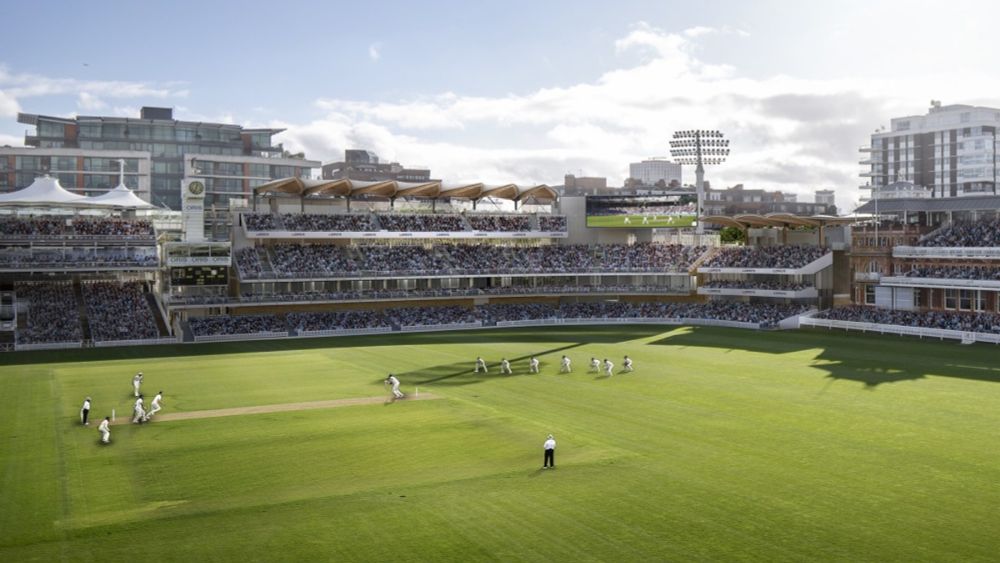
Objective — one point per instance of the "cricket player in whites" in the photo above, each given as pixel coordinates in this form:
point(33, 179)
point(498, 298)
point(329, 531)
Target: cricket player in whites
point(595, 365)
point(608, 367)
point(396, 393)
point(154, 407)
point(564, 366)
point(533, 365)
point(136, 383)
point(627, 365)
point(505, 367)
point(105, 430)
point(481, 365)
point(139, 413)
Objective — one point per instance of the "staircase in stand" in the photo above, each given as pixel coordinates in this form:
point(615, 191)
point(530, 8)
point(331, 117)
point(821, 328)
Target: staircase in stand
point(82, 310)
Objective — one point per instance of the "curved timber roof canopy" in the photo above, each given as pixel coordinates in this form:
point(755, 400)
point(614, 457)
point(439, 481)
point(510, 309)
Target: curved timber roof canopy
point(393, 189)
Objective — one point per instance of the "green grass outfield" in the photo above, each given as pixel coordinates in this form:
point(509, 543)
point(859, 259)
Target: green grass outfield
point(723, 445)
point(636, 221)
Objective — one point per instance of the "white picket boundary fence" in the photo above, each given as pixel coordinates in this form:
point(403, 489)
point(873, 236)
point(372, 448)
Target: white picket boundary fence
point(939, 333)
point(343, 332)
point(49, 346)
point(232, 337)
point(435, 328)
point(593, 321)
point(135, 342)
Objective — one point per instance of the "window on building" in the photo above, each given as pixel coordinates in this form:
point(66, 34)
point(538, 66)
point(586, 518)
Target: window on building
point(869, 295)
point(965, 299)
point(951, 299)
point(979, 300)
point(28, 163)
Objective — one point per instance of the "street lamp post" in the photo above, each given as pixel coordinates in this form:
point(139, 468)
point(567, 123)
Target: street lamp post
point(699, 147)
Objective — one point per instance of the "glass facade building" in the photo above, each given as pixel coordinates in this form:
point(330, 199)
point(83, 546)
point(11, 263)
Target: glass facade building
point(232, 158)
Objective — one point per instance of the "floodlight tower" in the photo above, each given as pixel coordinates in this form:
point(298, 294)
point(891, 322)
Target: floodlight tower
point(699, 147)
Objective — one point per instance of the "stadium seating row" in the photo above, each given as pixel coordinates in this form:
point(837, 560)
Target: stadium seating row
point(400, 222)
point(306, 261)
point(758, 313)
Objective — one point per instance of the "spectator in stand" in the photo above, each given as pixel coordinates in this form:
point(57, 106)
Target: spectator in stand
point(51, 313)
point(118, 311)
point(787, 257)
point(984, 233)
point(947, 320)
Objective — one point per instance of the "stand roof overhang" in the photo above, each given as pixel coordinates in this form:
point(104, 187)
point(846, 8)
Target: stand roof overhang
point(393, 189)
point(777, 220)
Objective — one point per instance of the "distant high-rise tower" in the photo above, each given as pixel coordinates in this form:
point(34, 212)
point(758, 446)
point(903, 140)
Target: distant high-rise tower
point(652, 170)
point(951, 150)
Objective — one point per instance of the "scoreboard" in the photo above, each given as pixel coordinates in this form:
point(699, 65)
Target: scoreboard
point(199, 275)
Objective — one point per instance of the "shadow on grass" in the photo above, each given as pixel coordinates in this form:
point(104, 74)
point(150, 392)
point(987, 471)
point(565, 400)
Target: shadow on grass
point(463, 373)
point(870, 359)
point(582, 334)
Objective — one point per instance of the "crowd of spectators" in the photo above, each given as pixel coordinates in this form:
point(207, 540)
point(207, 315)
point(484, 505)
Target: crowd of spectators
point(399, 222)
point(948, 320)
point(118, 311)
point(553, 223)
point(304, 261)
point(385, 294)
point(421, 222)
point(236, 324)
point(789, 257)
point(52, 313)
point(771, 285)
point(763, 314)
point(985, 233)
point(336, 320)
point(248, 263)
point(500, 223)
point(51, 226)
point(72, 257)
point(955, 272)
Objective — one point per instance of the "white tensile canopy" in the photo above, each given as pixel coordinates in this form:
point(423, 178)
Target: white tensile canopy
point(45, 189)
point(121, 196)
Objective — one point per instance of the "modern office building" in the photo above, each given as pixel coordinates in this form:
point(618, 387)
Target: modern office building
point(364, 165)
point(738, 200)
point(653, 170)
point(232, 159)
point(826, 197)
point(951, 150)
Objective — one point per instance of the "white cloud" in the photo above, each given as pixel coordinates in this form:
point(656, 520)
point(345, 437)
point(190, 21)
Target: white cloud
point(373, 51)
point(8, 104)
point(790, 134)
point(89, 102)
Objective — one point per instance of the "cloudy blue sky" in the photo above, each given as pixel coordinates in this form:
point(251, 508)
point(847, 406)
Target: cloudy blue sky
point(516, 91)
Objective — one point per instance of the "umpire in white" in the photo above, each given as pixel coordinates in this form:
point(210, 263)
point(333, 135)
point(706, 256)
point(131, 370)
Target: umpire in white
point(550, 453)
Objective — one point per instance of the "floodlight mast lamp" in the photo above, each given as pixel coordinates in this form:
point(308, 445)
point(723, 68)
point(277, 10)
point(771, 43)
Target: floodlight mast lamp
point(699, 147)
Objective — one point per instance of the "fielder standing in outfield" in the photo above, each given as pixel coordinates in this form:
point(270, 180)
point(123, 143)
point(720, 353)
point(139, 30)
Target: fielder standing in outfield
point(595, 365)
point(505, 367)
point(564, 367)
point(105, 430)
point(608, 367)
point(550, 453)
point(154, 407)
point(396, 393)
point(139, 414)
point(85, 412)
point(481, 365)
point(627, 365)
point(136, 383)
point(533, 365)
